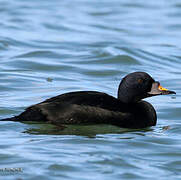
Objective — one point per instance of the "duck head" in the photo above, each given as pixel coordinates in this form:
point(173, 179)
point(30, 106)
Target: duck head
point(139, 85)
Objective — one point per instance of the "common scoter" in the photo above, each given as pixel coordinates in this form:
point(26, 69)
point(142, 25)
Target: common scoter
point(91, 107)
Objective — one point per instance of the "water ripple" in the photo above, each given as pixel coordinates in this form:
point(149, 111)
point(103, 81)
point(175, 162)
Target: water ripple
point(52, 47)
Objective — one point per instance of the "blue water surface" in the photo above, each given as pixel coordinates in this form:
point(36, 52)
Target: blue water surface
point(52, 47)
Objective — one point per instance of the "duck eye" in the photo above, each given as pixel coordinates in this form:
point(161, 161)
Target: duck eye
point(140, 81)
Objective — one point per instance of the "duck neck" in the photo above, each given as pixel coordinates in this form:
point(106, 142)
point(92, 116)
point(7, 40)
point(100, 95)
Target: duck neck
point(125, 97)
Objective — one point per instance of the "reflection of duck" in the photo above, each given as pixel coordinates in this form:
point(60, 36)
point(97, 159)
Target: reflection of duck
point(128, 110)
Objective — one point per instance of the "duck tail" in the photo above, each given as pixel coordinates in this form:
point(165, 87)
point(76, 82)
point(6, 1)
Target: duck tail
point(10, 119)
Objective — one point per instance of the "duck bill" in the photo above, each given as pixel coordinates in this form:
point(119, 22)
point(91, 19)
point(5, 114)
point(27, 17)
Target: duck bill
point(157, 89)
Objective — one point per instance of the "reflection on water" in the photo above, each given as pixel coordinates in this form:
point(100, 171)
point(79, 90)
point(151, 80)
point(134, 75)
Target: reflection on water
point(52, 47)
point(80, 130)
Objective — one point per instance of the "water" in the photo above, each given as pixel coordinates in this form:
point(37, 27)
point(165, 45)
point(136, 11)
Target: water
point(51, 47)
